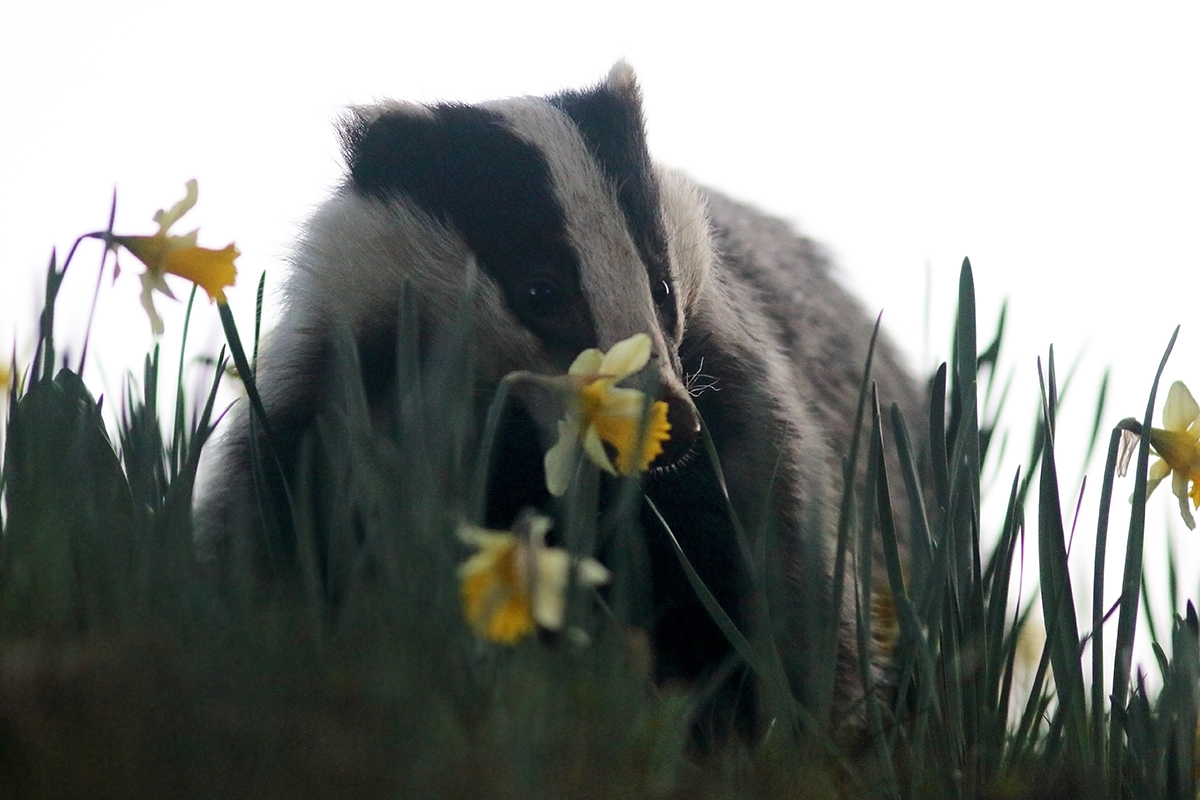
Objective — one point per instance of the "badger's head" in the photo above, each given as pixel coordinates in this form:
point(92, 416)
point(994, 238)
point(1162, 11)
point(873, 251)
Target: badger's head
point(580, 241)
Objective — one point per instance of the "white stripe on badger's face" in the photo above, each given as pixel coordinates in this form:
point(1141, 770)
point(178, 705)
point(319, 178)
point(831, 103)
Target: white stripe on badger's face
point(614, 278)
point(689, 240)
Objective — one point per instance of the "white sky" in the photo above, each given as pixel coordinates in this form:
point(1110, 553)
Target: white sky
point(1058, 147)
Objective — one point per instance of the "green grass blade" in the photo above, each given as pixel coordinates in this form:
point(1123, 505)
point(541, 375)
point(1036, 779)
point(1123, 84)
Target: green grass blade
point(1058, 605)
point(1127, 619)
point(964, 465)
point(258, 313)
point(994, 703)
point(1099, 751)
point(1148, 608)
point(939, 459)
point(920, 546)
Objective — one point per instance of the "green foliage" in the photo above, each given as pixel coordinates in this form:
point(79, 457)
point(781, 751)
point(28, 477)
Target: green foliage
point(185, 682)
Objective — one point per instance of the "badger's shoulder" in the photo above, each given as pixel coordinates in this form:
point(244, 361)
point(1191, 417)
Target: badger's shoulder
point(824, 330)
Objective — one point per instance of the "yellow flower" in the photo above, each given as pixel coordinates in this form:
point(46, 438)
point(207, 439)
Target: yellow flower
point(885, 623)
point(599, 413)
point(164, 252)
point(1178, 445)
point(514, 581)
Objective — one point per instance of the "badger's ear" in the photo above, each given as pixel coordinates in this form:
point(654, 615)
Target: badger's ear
point(352, 126)
point(610, 118)
point(622, 80)
point(371, 135)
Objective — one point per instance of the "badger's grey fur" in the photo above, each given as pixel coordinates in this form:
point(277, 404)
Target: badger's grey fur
point(581, 241)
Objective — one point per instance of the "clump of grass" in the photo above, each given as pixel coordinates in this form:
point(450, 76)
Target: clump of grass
point(128, 667)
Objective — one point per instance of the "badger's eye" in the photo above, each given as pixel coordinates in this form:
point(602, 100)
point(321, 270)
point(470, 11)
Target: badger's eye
point(661, 292)
point(542, 297)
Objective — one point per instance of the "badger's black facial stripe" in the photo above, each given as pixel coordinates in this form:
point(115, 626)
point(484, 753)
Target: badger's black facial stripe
point(611, 124)
point(461, 165)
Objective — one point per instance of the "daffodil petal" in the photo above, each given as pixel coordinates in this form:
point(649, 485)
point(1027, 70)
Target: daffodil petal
point(1159, 470)
point(592, 573)
point(167, 218)
point(559, 462)
point(594, 447)
point(156, 322)
point(482, 538)
point(1179, 487)
point(549, 595)
point(549, 599)
point(587, 363)
point(626, 356)
point(1181, 409)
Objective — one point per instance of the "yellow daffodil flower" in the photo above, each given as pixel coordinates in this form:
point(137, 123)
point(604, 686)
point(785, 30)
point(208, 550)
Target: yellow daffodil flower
point(514, 581)
point(1178, 446)
point(599, 412)
point(164, 252)
point(885, 622)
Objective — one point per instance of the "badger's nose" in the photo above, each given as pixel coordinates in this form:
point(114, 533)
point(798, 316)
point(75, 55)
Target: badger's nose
point(685, 429)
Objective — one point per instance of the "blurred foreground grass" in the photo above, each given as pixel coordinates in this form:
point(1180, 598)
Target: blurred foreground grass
point(129, 666)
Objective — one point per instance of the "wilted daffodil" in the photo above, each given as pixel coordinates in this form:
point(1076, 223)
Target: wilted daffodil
point(599, 412)
point(1178, 447)
point(515, 581)
point(166, 252)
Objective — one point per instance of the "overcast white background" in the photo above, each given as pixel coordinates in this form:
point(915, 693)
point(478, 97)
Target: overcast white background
point(1056, 145)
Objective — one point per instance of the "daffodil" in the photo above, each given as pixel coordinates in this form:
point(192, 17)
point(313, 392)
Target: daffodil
point(885, 622)
point(1178, 447)
point(165, 252)
point(514, 581)
point(599, 413)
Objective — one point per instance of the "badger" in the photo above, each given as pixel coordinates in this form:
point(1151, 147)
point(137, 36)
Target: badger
point(573, 238)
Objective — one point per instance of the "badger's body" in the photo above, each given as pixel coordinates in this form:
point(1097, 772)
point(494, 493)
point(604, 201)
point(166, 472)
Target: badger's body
point(580, 242)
